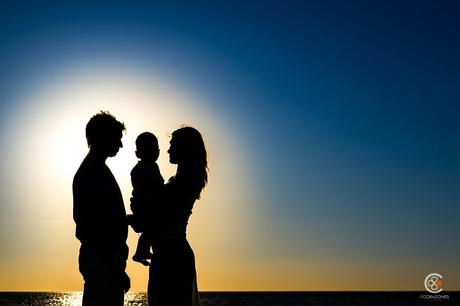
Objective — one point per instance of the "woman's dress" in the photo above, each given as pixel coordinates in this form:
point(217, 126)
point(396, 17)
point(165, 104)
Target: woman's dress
point(172, 274)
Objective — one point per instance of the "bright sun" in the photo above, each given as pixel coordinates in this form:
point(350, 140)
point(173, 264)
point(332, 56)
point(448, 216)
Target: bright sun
point(57, 114)
point(49, 144)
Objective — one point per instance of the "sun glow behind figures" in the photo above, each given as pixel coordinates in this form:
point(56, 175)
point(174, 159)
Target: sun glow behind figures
point(331, 126)
point(53, 144)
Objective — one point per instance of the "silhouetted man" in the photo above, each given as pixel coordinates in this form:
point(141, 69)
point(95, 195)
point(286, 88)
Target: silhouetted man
point(100, 216)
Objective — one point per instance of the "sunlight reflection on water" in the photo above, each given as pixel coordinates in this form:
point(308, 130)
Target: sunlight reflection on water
point(60, 299)
point(401, 298)
point(74, 299)
point(71, 299)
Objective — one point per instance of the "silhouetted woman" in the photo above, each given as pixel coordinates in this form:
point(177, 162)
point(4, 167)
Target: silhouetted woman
point(172, 275)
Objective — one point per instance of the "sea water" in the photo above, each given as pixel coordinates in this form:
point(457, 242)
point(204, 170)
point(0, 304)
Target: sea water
point(246, 298)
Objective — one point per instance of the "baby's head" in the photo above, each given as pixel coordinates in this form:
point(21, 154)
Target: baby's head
point(147, 147)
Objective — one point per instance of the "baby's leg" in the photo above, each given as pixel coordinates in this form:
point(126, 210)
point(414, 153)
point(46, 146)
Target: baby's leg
point(143, 250)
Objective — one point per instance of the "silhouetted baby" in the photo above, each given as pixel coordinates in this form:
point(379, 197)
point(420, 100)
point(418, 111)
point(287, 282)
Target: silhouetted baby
point(147, 186)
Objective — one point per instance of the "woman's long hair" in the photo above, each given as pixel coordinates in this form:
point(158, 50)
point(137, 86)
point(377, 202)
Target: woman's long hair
point(193, 153)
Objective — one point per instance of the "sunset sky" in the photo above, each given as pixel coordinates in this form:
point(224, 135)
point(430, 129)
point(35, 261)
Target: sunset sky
point(332, 129)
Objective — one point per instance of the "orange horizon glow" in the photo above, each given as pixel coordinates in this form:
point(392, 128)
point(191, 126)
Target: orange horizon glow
point(53, 144)
point(230, 231)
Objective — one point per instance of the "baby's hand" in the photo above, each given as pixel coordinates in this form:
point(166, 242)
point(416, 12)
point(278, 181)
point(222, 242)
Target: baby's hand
point(134, 222)
point(130, 218)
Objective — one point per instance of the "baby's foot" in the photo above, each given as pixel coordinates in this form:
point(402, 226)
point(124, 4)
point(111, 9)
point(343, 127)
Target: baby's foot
point(141, 260)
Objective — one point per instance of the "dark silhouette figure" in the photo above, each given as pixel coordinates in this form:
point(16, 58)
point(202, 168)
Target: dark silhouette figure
point(172, 275)
point(147, 187)
point(100, 217)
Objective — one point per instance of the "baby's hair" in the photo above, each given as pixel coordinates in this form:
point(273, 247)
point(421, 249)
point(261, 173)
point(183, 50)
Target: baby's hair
point(146, 140)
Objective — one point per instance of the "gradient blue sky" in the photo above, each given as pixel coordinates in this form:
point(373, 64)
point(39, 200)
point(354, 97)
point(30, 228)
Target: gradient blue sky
point(347, 112)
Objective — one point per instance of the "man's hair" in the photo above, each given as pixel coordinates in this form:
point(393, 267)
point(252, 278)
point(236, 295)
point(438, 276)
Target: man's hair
point(101, 126)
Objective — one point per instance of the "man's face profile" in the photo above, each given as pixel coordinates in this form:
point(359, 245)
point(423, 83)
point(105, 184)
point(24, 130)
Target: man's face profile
point(109, 145)
point(114, 144)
